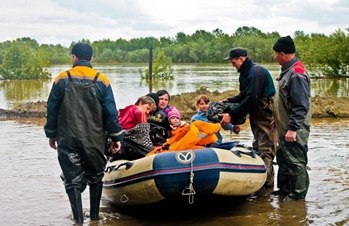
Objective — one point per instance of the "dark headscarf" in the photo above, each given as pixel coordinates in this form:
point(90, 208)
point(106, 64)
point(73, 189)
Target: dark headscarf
point(155, 97)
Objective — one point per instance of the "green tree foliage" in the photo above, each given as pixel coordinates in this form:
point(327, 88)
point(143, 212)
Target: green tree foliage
point(56, 54)
point(326, 56)
point(336, 55)
point(323, 55)
point(162, 68)
point(249, 32)
point(3, 47)
point(24, 60)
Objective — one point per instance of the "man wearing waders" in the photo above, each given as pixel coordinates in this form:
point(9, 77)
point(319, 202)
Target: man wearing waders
point(256, 98)
point(292, 113)
point(80, 109)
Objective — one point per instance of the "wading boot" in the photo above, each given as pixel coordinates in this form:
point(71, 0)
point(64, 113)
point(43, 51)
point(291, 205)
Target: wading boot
point(76, 205)
point(95, 198)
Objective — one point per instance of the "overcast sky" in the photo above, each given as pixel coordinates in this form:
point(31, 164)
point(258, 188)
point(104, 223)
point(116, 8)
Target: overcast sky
point(64, 21)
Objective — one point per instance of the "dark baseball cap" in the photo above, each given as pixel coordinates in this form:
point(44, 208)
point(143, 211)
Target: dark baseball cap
point(236, 52)
point(82, 50)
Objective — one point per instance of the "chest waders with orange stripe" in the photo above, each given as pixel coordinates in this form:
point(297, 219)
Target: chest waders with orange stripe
point(81, 136)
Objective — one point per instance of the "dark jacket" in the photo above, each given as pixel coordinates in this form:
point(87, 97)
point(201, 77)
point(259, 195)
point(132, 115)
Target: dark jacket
point(82, 72)
point(292, 107)
point(255, 83)
point(159, 127)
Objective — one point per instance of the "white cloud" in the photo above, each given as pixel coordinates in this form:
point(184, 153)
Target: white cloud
point(322, 4)
point(64, 21)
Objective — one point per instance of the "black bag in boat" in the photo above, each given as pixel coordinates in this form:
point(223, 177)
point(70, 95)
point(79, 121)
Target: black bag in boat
point(216, 108)
point(158, 134)
point(136, 143)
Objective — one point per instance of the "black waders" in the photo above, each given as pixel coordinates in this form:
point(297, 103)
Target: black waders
point(76, 205)
point(95, 198)
point(81, 136)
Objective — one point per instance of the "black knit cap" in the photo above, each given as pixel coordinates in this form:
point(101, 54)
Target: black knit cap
point(236, 52)
point(82, 50)
point(155, 97)
point(285, 45)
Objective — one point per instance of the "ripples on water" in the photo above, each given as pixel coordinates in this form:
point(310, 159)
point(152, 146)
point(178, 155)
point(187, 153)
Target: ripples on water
point(127, 85)
point(32, 193)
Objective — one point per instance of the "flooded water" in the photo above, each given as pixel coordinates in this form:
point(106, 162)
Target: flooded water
point(32, 193)
point(128, 86)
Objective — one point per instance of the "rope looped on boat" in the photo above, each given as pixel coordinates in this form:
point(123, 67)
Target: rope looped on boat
point(190, 189)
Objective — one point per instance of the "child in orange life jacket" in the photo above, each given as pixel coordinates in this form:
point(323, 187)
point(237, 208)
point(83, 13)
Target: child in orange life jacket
point(174, 118)
point(202, 103)
point(136, 113)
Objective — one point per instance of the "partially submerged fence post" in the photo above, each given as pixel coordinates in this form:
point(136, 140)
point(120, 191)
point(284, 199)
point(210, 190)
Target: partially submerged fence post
point(150, 69)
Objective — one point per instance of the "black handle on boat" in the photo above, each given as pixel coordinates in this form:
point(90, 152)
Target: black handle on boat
point(244, 146)
point(116, 167)
point(252, 153)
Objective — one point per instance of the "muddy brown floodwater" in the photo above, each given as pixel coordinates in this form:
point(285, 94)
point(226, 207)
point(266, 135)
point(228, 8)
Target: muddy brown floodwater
point(31, 192)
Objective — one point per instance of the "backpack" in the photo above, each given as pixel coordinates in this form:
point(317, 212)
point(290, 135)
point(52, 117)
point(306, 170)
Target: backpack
point(158, 134)
point(216, 108)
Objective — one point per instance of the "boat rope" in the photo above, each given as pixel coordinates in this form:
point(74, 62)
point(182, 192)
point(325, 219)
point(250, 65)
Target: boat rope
point(190, 189)
point(124, 198)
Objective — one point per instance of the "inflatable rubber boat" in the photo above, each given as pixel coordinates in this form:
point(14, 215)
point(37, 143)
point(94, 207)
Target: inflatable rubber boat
point(238, 171)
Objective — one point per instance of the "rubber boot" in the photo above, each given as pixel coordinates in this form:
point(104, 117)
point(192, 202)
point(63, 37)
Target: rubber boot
point(76, 205)
point(95, 198)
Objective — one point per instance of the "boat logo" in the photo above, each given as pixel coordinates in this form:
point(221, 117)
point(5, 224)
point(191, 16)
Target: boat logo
point(185, 158)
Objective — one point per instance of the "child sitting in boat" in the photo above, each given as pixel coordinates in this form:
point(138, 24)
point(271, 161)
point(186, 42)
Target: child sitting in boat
point(191, 136)
point(136, 113)
point(133, 119)
point(195, 135)
point(187, 136)
point(174, 118)
point(160, 129)
point(202, 103)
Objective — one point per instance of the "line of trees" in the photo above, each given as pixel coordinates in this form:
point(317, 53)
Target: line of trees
point(324, 55)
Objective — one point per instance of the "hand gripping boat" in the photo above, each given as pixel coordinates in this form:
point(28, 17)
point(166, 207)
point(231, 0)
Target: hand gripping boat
point(236, 172)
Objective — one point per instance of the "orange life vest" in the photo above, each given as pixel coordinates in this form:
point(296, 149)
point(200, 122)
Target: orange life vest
point(191, 136)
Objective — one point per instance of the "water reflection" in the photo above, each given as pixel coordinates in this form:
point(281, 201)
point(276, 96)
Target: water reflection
point(331, 87)
point(128, 85)
point(23, 91)
point(254, 210)
point(156, 84)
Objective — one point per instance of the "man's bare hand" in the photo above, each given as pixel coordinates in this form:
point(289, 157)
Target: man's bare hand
point(226, 118)
point(53, 143)
point(290, 136)
point(115, 146)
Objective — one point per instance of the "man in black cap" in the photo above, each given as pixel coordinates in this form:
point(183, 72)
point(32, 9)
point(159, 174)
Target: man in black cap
point(292, 120)
point(256, 97)
point(80, 109)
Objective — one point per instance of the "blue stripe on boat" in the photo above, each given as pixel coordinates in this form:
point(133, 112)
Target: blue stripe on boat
point(171, 176)
point(206, 175)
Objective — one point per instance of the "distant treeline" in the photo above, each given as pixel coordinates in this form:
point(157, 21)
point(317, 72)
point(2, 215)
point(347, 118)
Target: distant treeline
point(327, 55)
